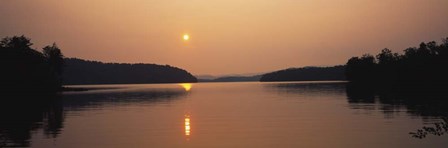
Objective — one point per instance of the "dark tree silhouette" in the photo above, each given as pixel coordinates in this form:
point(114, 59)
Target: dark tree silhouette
point(386, 57)
point(55, 60)
point(233, 79)
point(78, 71)
point(55, 57)
point(360, 69)
point(24, 69)
point(422, 68)
point(306, 74)
point(16, 42)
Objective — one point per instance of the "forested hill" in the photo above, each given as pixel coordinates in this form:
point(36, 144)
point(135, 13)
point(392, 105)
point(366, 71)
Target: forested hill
point(78, 71)
point(417, 67)
point(233, 79)
point(306, 74)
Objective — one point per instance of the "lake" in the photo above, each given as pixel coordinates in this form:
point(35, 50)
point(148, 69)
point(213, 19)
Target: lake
point(237, 115)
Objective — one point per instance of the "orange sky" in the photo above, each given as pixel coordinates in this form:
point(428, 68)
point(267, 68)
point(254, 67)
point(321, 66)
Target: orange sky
point(226, 36)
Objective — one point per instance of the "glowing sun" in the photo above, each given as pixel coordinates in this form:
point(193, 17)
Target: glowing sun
point(186, 37)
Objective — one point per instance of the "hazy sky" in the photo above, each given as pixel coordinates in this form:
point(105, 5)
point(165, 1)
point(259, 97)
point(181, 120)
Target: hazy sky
point(227, 36)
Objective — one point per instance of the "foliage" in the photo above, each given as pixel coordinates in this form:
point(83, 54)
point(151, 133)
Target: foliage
point(26, 69)
point(233, 79)
point(424, 66)
point(55, 57)
point(306, 74)
point(78, 71)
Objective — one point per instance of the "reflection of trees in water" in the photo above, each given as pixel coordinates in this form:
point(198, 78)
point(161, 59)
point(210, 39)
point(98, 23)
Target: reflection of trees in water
point(416, 102)
point(82, 100)
point(308, 88)
point(30, 113)
point(424, 103)
point(21, 117)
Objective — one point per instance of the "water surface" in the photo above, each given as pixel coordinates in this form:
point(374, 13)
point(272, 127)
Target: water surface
point(288, 114)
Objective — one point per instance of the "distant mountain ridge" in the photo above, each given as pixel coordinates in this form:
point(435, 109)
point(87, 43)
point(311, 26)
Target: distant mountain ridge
point(306, 74)
point(78, 71)
point(233, 79)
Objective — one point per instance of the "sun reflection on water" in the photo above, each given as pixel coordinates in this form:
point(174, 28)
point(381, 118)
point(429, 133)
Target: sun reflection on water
point(187, 125)
point(186, 86)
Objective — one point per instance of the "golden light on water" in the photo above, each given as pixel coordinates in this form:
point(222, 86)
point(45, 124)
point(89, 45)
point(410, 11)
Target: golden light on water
point(186, 86)
point(187, 125)
point(186, 37)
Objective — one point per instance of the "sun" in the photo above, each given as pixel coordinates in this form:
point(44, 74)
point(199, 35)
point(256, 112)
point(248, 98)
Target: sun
point(186, 37)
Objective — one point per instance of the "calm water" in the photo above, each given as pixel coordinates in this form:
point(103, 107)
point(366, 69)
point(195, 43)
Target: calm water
point(317, 114)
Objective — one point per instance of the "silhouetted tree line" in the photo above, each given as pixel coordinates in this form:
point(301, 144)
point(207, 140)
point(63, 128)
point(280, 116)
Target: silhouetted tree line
point(233, 79)
point(26, 69)
point(78, 71)
point(423, 66)
point(306, 74)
